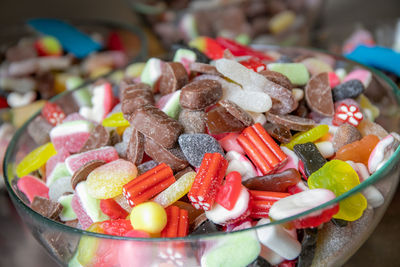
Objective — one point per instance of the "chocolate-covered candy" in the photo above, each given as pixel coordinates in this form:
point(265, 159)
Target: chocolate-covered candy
point(172, 157)
point(193, 121)
point(310, 156)
point(344, 135)
point(219, 120)
point(290, 121)
point(277, 182)
point(46, 207)
point(114, 138)
point(82, 173)
point(283, 101)
point(200, 94)
point(154, 123)
point(203, 68)
point(349, 89)
point(277, 78)
point(135, 149)
point(237, 112)
point(99, 137)
point(279, 132)
point(134, 97)
point(39, 130)
point(318, 95)
point(173, 77)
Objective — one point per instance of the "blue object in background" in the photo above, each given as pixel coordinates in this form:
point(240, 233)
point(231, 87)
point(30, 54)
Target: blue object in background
point(71, 39)
point(378, 57)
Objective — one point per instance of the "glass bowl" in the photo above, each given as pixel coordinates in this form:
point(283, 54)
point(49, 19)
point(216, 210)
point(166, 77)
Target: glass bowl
point(334, 244)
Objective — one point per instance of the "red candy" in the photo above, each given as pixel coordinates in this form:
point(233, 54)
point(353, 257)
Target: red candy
point(229, 193)
point(261, 148)
point(32, 186)
point(347, 113)
point(177, 222)
point(111, 208)
point(334, 80)
point(262, 202)
point(241, 50)
point(53, 113)
point(118, 227)
point(254, 64)
point(207, 181)
point(148, 184)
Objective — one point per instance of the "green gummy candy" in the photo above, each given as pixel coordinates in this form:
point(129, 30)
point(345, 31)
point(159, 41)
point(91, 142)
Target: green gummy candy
point(183, 55)
point(237, 249)
point(67, 213)
point(82, 96)
point(172, 107)
point(74, 261)
point(297, 73)
point(60, 170)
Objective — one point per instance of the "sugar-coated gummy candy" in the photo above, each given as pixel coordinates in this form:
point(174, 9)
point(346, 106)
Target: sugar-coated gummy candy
point(67, 213)
point(115, 120)
point(60, 187)
point(102, 103)
point(32, 186)
point(169, 104)
point(82, 173)
point(149, 217)
point(60, 170)
point(35, 159)
point(71, 135)
point(151, 71)
point(238, 249)
point(194, 146)
point(176, 191)
point(370, 111)
point(339, 177)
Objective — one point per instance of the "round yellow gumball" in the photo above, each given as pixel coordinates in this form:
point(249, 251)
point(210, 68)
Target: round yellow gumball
point(149, 217)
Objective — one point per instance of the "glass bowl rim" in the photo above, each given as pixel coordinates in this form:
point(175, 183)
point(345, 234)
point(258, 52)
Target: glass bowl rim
point(378, 175)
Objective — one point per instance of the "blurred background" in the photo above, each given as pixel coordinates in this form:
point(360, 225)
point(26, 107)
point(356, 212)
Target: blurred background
point(329, 24)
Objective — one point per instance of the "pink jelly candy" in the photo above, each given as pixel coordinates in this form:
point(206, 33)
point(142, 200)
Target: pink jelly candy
point(107, 153)
point(292, 161)
point(54, 160)
point(230, 143)
point(240, 163)
point(334, 80)
point(32, 186)
point(363, 76)
point(71, 136)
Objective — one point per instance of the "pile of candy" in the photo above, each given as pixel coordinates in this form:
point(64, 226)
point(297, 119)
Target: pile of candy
point(197, 146)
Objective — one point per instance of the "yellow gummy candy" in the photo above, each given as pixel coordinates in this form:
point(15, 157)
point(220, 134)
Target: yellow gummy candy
point(149, 217)
point(35, 159)
point(281, 21)
point(309, 136)
point(175, 191)
point(115, 120)
point(371, 111)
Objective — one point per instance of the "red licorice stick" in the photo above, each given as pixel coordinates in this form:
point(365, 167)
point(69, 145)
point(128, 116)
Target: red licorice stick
point(111, 208)
point(241, 50)
point(262, 202)
point(207, 181)
point(261, 148)
point(148, 184)
point(177, 222)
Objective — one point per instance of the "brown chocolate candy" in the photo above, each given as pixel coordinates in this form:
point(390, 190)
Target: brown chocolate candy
point(290, 121)
point(200, 94)
point(82, 173)
point(279, 132)
point(204, 68)
point(277, 78)
point(172, 157)
point(237, 112)
point(174, 77)
point(135, 149)
point(114, 138)
point(99, 137)
point(154, 123)
point(134, 97)
point(344, 135)
point(193, 121)
point(46, 207)
point(39, 130)
point(318, 95)
point(283, 101)
point(219, 120)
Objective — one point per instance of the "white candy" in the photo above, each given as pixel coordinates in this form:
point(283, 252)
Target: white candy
point(382, 152)
point(258, 117)
point(239, 163)
point(89, 204)
point(272, 257)
point(278, 240)
point(15, 99)
point(152, 71)
point(220, 215)
point(59, 187)
point(325, 148)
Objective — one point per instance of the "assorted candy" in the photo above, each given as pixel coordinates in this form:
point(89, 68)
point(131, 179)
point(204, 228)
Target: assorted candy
point(184, 154)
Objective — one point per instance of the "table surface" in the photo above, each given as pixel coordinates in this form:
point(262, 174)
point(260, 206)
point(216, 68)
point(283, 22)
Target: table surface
point(16, 240)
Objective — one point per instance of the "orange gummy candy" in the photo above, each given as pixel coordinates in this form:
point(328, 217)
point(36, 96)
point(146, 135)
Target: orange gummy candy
point(358, 151)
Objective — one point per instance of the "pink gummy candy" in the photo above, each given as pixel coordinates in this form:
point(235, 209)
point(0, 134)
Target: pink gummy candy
point(363, 76)
point(71, 136)
point(32, 186)
point(107, 153)
point(230, 143)
point(54, 160)
point(334, 80)
point(292, 161)
point(84, 220)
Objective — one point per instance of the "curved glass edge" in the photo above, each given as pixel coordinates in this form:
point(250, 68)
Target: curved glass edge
point(378, 175)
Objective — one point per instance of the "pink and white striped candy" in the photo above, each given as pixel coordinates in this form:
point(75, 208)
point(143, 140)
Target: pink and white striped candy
point(382, 152)
point(241, 164)
point(54, 160)
point(32, 186)
point(292, 161)
point(230, 143)
point(71, 136)
point(107, 153)
point(102, 103)
point(363, 76)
